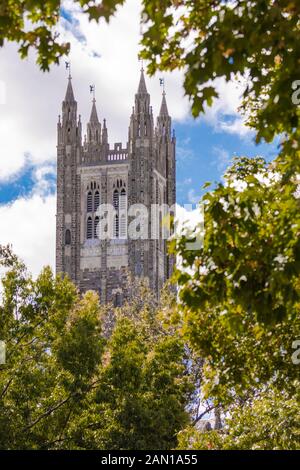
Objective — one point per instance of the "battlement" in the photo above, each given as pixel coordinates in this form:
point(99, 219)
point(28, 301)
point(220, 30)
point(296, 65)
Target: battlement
point(117, 153)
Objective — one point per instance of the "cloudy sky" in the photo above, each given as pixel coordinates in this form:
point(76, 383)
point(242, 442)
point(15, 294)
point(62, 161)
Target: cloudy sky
point(104, 55)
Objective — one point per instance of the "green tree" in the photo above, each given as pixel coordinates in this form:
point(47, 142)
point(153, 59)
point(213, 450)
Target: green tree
point(53, 346)
point(240, 299)
point(144, 386)
point(142, 395)
point(65, 386)
point(268, 422)
point(257, 41)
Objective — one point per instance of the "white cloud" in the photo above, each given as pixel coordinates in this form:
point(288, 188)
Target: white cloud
point(224, 114)
point(107, 57)
point(184, 154)
point(188, 215)
point(28, 224)
point(104, 54)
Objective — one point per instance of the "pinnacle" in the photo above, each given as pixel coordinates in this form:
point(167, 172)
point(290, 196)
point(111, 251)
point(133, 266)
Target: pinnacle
point(94, 115)
point(164, 107)
point(142, 85)
point(69, 94)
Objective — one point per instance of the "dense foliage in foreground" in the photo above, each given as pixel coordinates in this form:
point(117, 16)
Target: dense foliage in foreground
point(240, 301)
point(65, 386)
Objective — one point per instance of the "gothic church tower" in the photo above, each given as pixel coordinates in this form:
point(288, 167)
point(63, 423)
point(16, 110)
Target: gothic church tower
point(91, 175)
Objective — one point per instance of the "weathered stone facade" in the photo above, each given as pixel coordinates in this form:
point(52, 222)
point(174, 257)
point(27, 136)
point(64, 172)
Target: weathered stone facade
point(90, 174)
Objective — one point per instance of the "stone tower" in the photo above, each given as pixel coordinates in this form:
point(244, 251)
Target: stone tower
point(112, 202)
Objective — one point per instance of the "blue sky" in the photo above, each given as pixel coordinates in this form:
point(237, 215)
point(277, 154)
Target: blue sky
point(22, 184)
point(203, 154)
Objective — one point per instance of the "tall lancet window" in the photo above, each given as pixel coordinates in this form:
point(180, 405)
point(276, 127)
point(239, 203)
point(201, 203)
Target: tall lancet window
point(96, 200)
point(120, 207)
point(116, 208)
point(123, 213)
point(116, 226)
point(89, 202)
point(89, 228)
point(92, 206)
point(123, 200)
point(116, 199)
point(96, 224)
point(68, 237)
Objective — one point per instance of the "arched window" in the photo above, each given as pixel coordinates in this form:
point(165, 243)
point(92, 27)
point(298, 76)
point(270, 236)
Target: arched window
point(96, 200)
point(89, 228)
point(96, 223)
point(123, 199)
point(116, 226)
point(89, 202)
point(68, 237)
point(116, 199)
point(123, 228)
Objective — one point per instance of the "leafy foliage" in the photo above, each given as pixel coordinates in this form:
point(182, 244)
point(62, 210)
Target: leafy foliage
point(240, 291)
point(240, 300)
point(269, 422)
point(142, 393)
point(64, 386)
point(53, 347)
point(213, 39)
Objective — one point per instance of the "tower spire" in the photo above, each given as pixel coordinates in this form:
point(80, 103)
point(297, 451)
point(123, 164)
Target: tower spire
point(142, 84)
point(69, 93)
point(93, 126)
point(94, 116)
point(163, 107)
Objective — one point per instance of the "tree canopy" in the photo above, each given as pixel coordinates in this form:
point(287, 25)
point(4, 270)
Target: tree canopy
point(239, 297)
point(65, 386)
